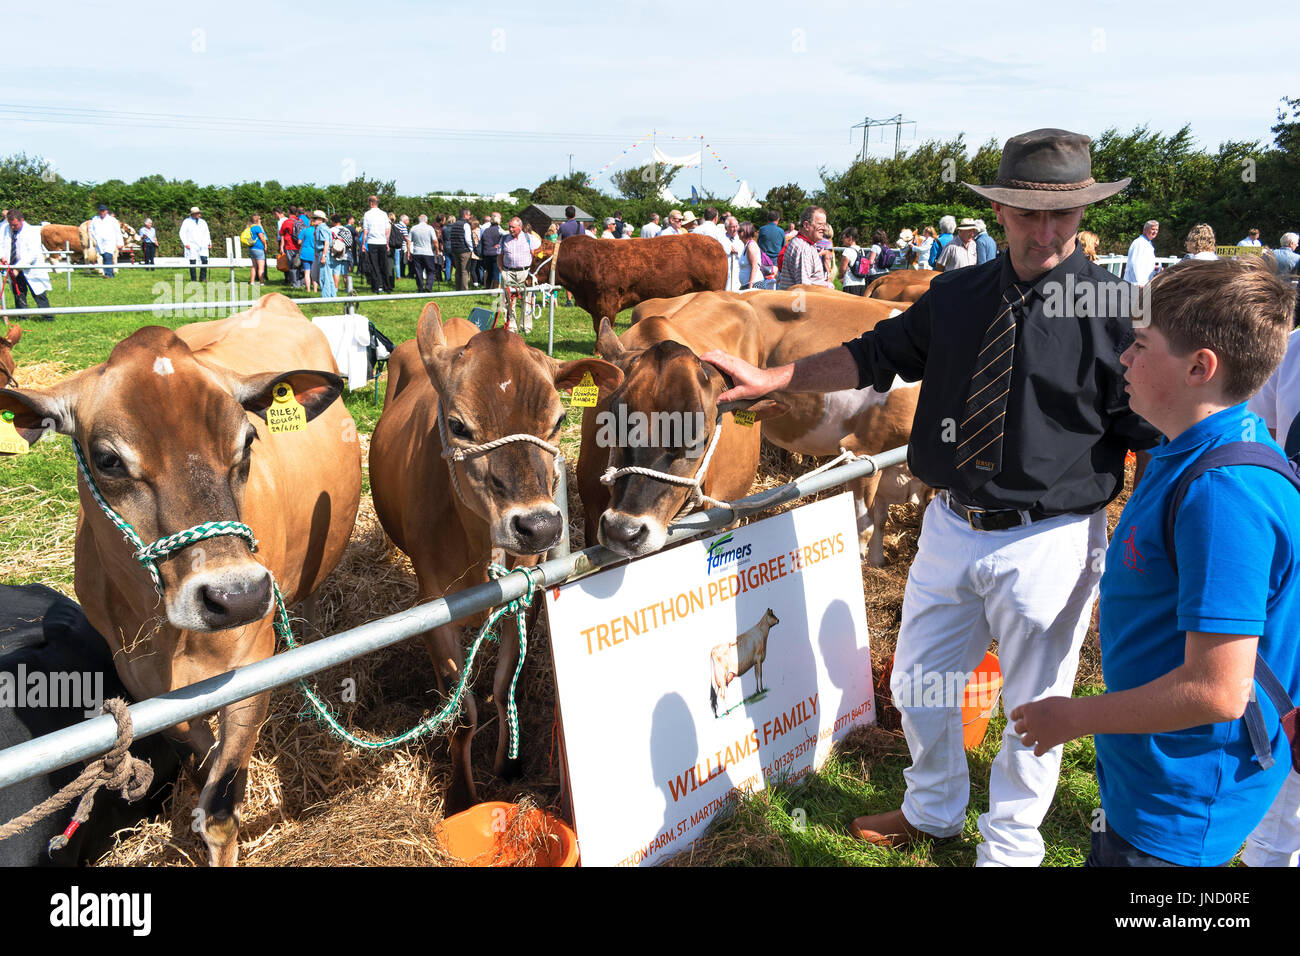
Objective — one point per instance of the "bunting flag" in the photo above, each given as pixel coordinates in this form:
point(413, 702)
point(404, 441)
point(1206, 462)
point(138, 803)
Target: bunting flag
point(729, 170)
point(629, 149)
point(690, 159)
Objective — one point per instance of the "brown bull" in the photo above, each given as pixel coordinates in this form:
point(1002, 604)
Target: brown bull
point(489, 385)
point(53, 238)
point(664, 417)
point(606, 276)
point(174, 434)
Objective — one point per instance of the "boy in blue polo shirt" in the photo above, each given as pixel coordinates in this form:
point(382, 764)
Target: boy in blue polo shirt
point(1180, 785)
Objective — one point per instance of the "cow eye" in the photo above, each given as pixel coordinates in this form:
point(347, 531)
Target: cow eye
point(458, 428)
point(559, 423)
point(109, 464)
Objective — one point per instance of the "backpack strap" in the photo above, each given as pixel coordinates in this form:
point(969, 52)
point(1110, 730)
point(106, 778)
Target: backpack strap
point(1292, 444)
point(1244, 453)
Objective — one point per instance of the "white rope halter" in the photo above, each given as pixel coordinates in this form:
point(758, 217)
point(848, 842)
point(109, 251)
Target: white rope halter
point(454, 455)
point(695, 483)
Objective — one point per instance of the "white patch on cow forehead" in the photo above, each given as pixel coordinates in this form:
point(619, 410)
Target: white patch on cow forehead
point(506, 384)
point(163, 366)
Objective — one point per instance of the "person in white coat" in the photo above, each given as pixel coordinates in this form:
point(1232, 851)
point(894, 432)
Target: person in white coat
point(196, 239)
point(1141, 265)
point(106, 236)
point(20, 245)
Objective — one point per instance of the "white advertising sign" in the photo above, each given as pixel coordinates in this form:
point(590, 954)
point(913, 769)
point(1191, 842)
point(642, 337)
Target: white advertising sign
point(707, 669)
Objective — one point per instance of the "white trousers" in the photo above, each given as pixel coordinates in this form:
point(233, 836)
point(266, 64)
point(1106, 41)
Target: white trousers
point(1032, 588)
point(1276, 841)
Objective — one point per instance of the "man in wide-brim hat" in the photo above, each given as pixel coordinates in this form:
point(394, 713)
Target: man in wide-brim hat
point(1023, 423)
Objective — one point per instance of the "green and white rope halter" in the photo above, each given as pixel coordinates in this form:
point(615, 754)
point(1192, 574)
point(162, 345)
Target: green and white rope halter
point(149, 555)
point(447, 714)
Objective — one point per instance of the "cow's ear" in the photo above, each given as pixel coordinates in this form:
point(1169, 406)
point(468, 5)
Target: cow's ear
point(14, 335)
point(39, 410)
point(314, 390)
point(761, 408)
point(434, 351)
point(607, 376)
point(608, 346)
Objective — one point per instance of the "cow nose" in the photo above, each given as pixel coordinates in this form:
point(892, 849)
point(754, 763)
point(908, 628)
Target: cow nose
point(537, 530)
point(236, 603)
point(626, 531)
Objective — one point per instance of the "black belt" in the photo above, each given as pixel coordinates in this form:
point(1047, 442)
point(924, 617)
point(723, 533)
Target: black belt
point(983, 519)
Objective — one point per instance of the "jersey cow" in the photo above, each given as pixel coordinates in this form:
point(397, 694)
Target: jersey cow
point(606, 277)
point(793, 324)
point(733, 659)
point(7, 364)
point(173, 431)
point(665, 419)
point(450, 515)
point(904, 285)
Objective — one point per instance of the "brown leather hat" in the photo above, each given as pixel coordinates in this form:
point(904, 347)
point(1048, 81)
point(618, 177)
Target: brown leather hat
point(1047, 169)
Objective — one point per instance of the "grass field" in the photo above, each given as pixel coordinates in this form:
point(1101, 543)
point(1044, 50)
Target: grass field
point(312, 788)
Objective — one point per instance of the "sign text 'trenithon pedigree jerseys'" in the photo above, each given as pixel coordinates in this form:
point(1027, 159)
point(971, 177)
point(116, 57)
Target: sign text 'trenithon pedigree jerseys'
point(707, 669)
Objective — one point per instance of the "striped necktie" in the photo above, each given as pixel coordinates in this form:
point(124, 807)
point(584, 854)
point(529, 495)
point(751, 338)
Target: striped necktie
point(979, 450)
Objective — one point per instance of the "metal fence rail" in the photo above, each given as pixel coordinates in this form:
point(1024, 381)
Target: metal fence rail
point(347, 301)
point(96, 736)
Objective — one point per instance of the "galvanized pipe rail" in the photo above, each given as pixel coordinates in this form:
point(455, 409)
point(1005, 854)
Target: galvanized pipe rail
point(97, 736)
point(243, 303)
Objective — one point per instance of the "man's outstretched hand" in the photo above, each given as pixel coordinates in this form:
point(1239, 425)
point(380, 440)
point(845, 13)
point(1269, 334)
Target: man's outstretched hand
point(751, 382)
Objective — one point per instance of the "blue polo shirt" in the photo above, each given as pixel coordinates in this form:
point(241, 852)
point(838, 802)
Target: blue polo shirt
point(1193, 796)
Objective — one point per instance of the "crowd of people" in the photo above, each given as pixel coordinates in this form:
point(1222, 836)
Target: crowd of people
point(1142, 264)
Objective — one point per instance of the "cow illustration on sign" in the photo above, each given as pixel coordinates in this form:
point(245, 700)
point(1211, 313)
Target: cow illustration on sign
point(733, 659)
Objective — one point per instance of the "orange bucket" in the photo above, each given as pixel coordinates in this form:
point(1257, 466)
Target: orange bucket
point(981, 697)
point(494, 834)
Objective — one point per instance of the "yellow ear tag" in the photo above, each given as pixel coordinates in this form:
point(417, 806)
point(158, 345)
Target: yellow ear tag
point(586, 393)
point(285, 414)
point(11, 443)
point(745, 419)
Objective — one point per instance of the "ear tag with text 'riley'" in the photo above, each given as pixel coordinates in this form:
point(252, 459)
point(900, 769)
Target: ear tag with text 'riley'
point(11, 443)
point(285, 414)
point(743, 418)
point(586, 393)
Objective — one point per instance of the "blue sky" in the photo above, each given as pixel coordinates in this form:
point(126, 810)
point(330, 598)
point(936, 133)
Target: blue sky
point(498, 98)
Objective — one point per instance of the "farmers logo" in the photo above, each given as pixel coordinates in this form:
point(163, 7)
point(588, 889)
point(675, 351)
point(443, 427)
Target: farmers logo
point(721, 552)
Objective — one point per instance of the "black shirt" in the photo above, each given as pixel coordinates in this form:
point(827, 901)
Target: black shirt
point(1068, 423)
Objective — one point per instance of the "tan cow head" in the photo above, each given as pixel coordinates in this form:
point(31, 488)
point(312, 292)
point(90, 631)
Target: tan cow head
point(674, 397)
point(495, 386)
point(168, 441)
point(7, 343)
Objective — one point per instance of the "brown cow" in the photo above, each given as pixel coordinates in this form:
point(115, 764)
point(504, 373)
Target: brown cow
point(7, 343)
point(672, 397)
point(173, 430)
point(903, 285)
point(493, 385)
point(606, 276)
point(790, 326)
